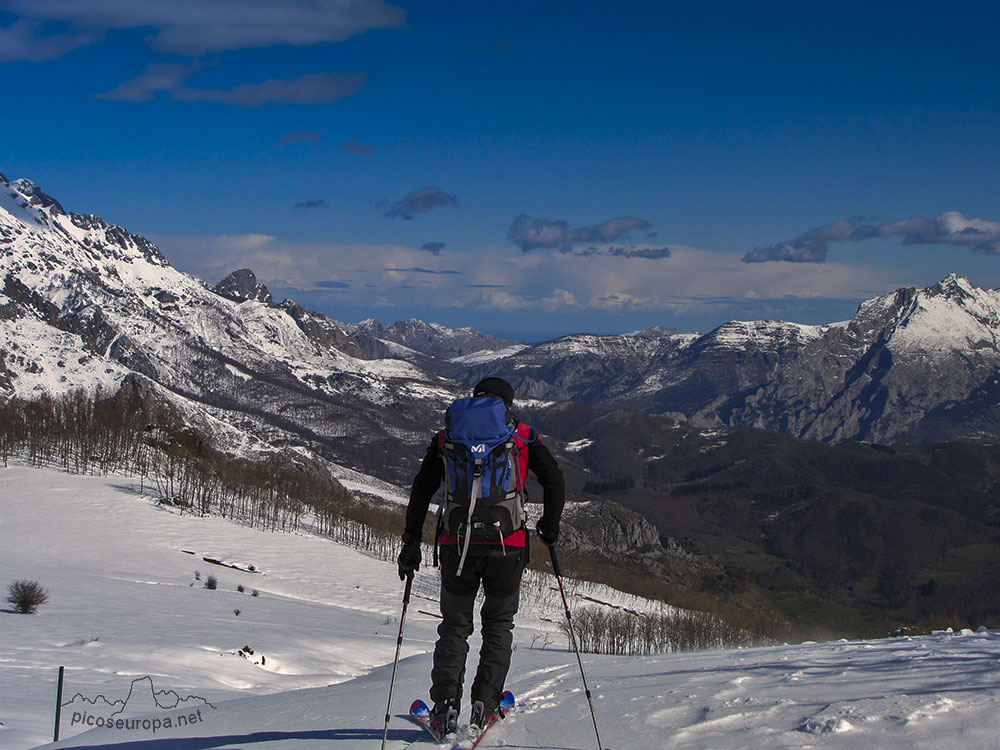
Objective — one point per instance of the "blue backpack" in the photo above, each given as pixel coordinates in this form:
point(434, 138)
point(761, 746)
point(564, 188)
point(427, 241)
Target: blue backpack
point(483, 486)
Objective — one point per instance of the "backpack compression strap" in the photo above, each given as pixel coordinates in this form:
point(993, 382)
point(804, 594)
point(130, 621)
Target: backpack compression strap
point(477, 473)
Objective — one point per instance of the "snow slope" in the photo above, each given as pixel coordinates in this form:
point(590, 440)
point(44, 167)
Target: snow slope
point(126, 621)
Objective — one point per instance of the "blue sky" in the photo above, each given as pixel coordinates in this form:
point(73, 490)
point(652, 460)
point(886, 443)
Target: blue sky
point(530, 169)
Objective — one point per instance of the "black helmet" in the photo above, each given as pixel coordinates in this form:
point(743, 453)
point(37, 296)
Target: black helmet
point(495, 387)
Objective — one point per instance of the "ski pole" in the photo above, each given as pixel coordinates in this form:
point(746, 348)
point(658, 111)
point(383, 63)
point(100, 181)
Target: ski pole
point(395, 663)
point(576, 648)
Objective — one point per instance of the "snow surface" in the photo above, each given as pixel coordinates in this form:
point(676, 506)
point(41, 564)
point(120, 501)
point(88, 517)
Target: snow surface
point(763, 333)
point(47, 360)
point(488, 355)
point(126, 621)
point(578, 445)
point(963, 320)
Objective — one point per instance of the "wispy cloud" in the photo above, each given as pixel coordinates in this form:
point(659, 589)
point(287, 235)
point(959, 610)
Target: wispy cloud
point(166, 77)
point(950, 228)
point(194, 27)
point(434, 248)
point(531, 234)
point(623, 251)
point(354, 146)
point(22, 41)
point(317, 203)
point(171, 79)
point(416, 202)
point(418, 269)
point(300, 136)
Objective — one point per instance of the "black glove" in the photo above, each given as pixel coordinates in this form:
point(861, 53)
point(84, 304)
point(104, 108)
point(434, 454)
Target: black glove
point(409, 557)
point(548, 531)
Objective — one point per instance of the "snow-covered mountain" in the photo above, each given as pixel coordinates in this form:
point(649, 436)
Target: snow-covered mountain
point(430, 345)
point(84, 302)
point(912, 365)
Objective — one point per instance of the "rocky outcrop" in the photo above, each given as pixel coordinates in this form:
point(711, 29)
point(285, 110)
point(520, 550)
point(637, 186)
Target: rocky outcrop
point(241, 285)
point(323, 331)
point(606, 528)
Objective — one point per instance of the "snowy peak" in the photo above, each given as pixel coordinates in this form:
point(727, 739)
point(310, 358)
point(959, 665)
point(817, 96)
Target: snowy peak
point(241, 285)
point(422, 336)
point(913, 365)
point(24, 208)
point(908, 360)
point(954, 287)
point(36, 197)
point(951, 315)
point(763, 335)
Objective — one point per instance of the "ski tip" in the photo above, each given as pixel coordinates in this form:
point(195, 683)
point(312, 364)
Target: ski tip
point(418, 707)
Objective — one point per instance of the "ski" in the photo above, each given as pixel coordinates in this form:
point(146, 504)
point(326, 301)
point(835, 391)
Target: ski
point(421, 714)
point(470, 743)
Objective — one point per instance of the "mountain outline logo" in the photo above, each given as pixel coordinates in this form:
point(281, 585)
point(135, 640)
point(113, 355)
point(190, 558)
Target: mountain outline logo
point(144, 708)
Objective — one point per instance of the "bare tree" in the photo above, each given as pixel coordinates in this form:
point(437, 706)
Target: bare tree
point(26, 596)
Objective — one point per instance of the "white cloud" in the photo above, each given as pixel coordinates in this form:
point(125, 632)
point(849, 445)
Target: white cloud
point(950, 228)
point(194, 27)
point(171, 79)
point(21, 41)
point(491, 278)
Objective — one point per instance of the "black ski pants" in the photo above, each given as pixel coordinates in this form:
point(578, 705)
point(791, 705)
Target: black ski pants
point(499, 571)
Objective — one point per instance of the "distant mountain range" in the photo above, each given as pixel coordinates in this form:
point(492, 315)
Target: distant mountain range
point(654, 421)
point(911, 366)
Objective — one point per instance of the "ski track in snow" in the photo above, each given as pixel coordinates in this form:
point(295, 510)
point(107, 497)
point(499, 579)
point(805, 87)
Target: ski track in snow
point(323, 630)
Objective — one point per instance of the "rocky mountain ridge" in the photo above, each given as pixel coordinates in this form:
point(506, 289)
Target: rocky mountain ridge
point(430, 345)
point(912, 365)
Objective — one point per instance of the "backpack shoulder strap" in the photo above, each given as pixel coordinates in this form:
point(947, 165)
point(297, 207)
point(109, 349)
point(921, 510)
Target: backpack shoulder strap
point(439, 516)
